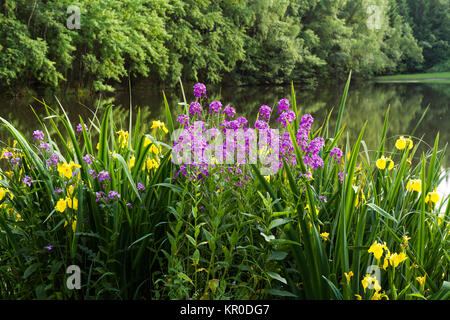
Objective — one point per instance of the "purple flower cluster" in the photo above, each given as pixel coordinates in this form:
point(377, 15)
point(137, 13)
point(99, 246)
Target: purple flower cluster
point(264, 112)
point(183, 119)
point(242, 121)
point(140, 187)
point(195, 108)
point(341, 177)
point(112, 195)
point(7, 154)
point(229, 111)
point(15, 161)
point(38, 135)
point(199, 90)
point(103, 175)
point(287, 117)
point(336, 154)
point(102, 196)
point(303, 131)
point(88, 158)
point(27, 180)
point(215, 106)
point(52, 161)
point(44, 146)
point(80, 128)
point(283, 105)
point(261, 125)
point(195, 146)
point(312, 157)
point(57, 190)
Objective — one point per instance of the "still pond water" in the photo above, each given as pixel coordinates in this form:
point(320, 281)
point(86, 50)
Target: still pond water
point(365, 102)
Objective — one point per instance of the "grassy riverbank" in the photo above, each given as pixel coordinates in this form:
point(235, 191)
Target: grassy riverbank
point(435, 77)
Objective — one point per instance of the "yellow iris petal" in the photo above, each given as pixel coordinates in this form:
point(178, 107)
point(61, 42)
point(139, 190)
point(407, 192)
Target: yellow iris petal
point(400, 144)
point(61, 205)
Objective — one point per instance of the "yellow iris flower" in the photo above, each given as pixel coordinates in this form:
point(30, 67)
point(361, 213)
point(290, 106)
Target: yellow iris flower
point(394, 259)
point(74, 224)
point(379, 295)
point(131, 162)
point(61, 205)
point(382, 162)
point(433, 197)
point(370, 280)
point(377, 249)
point(2, 193)
point(403, 142)
point(421, 280)
point(72, 203)
point(123, 138)
point(159, 124)
point(348, 276)
point(414, 185)
point(324, 235)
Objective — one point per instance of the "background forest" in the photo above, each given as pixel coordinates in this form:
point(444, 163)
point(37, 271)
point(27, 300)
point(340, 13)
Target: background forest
point(226, 41)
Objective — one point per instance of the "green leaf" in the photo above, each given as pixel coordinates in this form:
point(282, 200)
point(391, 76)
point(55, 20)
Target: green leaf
point(276, 276)
point(381, 211)
point(30, 270)
point(278, 222)
point(276, 255)
point(281, 293)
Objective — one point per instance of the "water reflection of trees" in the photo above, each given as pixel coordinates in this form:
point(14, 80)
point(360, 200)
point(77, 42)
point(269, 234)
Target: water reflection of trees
point(365, 102)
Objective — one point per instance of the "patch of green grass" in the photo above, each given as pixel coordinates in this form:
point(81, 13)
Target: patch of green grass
point(441, 77)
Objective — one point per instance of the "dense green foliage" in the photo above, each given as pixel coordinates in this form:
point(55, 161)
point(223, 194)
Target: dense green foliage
point(237, 41)
point(138, 229)
point(430, 21)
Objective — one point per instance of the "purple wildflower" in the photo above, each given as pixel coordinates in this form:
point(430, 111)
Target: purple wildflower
point(264, 112)
point(103, 175)
point(140, 187)
point(229, 111)
point(7, 155)
point(49, 247)
point(341, 177)
point(303, 131)
point(100, 196)
point(93, 173)
point(15, 161)
point(195, 108)
point(283, 105)
point(57, 190)
point(336, 153)
point(53, 160)
point(315, 145)
point(261, 125)
point(38, 135)
point(88, 158)
point(27, 180)
point(242, 121)
point(80, 128)
point(183, 119)
point(113, 195)
point(199, 90)
point(44, 146)
point(287, 117)
point(215, 106)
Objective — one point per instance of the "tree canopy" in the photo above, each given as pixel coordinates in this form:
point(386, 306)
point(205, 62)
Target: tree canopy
point(233, 41)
